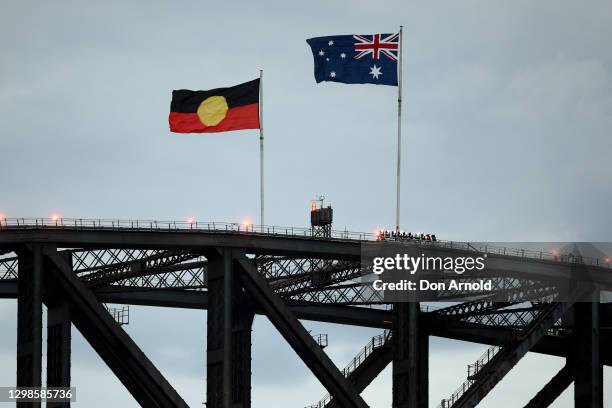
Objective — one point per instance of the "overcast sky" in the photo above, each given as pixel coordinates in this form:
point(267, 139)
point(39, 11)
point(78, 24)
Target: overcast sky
point(507, 124)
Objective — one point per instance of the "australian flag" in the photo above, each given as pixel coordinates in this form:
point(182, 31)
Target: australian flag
point(356, 59)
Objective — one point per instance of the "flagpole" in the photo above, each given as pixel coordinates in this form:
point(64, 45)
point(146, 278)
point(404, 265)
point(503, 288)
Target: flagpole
point(261, 152)
point(399, 131)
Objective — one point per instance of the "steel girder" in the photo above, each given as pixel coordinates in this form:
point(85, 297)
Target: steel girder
point(373, 358)
point(551, 391)
point(356, 293)
point(345, 294)
point(116, 348)
point(524, 293)
point(555, 343)
point(8, 289)
point(259, 244)
point(314, 281)
point(587, 363)
point(287, 277)
point(141, 267)
point(104, 266)
point(8, 268)
point(87, 261)
point(515, 317)
point(508, 313)
point(361, 372)
point(410, 358)
point(58, 346)
point(504, 288)
point(29, 320)
point(518, 263)
point(186, 275)
point(228, 353)
point(492, 367)
point(146, 268)
point(290, 276)
point(296, 335)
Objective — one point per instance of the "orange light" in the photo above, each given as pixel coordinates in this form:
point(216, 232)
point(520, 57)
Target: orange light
point(246, 223)
point(313, 205)
point(555, 252)
point(606, 259)
point(190, 221)
point(55, 217)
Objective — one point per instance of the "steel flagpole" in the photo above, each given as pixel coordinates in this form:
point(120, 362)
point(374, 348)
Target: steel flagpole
point(399, 130)
point(261, 152)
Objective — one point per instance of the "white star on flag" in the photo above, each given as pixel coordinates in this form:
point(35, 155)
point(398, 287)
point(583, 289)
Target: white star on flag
point(332, 74)
point(375, 71)
point(343, 55)
point(321, 53)
point(330, 42)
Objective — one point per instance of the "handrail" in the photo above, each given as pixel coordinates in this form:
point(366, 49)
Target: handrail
point(476, 367)
point(374, 344)
point(488, 356)
point(473, 369)
point(274, 230)
point(173, 226)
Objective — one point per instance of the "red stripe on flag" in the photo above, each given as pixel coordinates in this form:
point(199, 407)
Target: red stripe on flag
point(240, 117)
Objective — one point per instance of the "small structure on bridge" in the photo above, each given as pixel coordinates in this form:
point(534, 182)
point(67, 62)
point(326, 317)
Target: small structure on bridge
point(321, 218)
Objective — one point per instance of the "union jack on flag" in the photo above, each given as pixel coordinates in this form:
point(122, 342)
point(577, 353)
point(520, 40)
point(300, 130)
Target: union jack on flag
point(376, 46)
point(357, 58)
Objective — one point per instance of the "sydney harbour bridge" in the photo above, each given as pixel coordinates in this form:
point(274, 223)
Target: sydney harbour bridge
point(75, 267)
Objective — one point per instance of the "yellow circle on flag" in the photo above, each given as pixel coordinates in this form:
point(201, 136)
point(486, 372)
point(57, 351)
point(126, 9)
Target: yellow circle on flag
point(212, 110)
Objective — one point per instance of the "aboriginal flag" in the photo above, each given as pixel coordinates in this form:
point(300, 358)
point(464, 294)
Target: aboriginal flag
point(216, 110)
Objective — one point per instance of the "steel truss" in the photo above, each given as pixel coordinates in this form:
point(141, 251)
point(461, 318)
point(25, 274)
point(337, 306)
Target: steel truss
point(235, 274)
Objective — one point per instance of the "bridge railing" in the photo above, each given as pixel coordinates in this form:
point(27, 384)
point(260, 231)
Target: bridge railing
point(376, 342)
point(172, 226)
point(473, 370)
point(199, 226)
point(525, 253)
